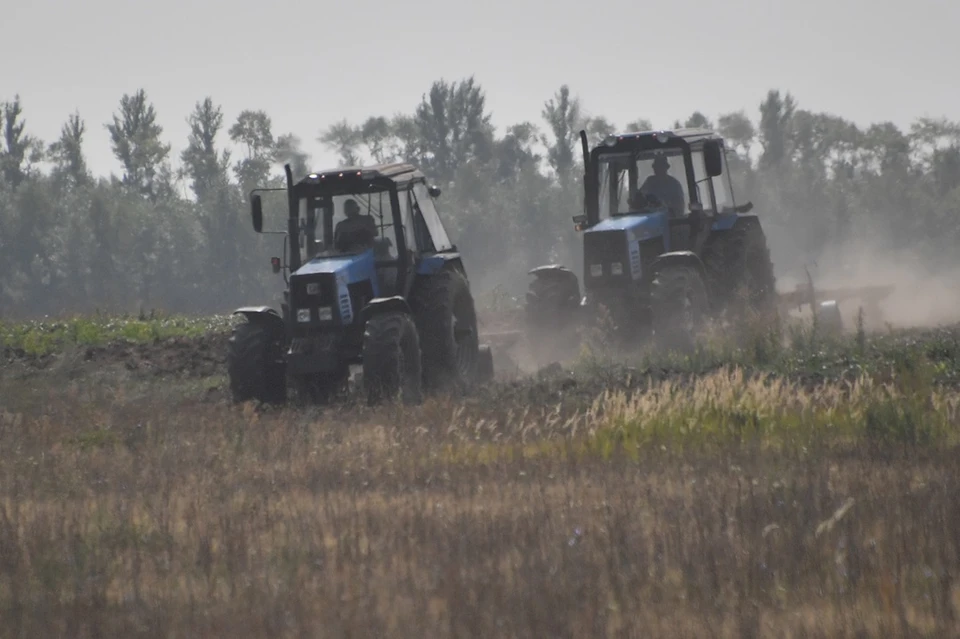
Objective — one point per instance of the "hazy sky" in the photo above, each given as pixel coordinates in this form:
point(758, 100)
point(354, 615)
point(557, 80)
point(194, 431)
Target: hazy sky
point(313, 62)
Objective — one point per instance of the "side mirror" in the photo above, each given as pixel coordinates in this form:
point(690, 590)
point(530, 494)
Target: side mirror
point(713, 158)
point(256, 211)
point(275, 264)
point(434, 191)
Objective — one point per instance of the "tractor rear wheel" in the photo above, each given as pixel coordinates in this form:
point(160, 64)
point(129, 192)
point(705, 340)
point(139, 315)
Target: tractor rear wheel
point(391, 359)
point(447, 323)
point(738, 261)
point(678, 305)
point(254, 363)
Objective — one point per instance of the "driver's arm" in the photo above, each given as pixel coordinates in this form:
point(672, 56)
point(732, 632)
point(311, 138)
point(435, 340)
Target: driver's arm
point(678, 195)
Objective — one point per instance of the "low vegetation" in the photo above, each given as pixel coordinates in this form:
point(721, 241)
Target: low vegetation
point(754, 488)
point(46, 336)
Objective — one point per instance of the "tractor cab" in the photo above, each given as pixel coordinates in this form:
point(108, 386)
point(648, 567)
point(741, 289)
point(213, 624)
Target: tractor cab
point(680, 176)
point(359, 225)
point(381, 218)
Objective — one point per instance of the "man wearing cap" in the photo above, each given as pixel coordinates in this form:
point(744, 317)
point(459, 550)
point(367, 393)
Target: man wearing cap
point(356, 231)
point(664, 186)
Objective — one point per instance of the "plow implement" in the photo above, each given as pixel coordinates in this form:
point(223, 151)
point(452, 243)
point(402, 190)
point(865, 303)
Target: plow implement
point(825, 302)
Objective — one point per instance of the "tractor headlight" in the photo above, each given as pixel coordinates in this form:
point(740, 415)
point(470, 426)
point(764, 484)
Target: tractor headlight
point(303, 314)
point(596, 270)
point(325, 313)
point(616, 268)
point(313, 288)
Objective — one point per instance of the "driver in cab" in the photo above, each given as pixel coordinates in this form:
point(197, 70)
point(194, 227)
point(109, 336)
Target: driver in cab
point(664, 186)
point(356, 231)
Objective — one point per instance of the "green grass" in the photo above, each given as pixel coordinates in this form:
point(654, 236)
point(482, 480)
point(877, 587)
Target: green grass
point(42, 337)
point(756, 487)
point(801, 352)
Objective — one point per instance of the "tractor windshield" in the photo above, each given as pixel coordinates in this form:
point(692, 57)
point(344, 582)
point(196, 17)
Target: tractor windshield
point(627, 179)
point(349, 223)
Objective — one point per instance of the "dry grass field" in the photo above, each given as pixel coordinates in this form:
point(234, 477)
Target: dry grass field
point(804, 489)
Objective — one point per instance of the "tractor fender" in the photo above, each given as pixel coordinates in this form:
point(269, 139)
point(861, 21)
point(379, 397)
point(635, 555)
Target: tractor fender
point(433, 264)
point(380, 305)
point(558, 273)
point(677, 258)
point(263, 314)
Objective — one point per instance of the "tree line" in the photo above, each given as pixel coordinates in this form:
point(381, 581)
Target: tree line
point(179, 239)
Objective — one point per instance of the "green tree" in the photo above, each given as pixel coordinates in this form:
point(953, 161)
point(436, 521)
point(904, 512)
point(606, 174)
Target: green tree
point(376, 135)
point(454, 128)
point(135, 139)
point(345, 139)
point(253, 131)
point(638, 125)
point(738, 131)
point(19, 149)
point(563, 117)
point(515, 151)
point(698, 121)
point(204, 165)
point(776, 114)
point(67, 152)
point(597, 128)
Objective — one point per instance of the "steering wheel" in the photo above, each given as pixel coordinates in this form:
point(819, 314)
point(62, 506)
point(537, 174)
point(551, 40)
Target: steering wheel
point(642, 201)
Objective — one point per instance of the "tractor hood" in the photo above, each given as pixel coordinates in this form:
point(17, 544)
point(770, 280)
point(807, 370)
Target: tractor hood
point(642, 227)
point(612, 248)
point(349, 268)
point(333, 288)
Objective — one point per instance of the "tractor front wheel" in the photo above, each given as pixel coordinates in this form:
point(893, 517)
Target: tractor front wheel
point(829, 318)
point(679, 306)
point(254, 363)
point(551, 317)
point(391, 359)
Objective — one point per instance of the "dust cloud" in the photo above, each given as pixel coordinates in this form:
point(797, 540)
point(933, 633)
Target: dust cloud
point(925, 293)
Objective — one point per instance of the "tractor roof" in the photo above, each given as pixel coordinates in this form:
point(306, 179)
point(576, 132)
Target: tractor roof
point(653, 140)
point(690, 134)
point(399, 172)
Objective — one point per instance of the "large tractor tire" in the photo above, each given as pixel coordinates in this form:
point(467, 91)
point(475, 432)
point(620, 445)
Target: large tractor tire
point(391, 359)
point(553, 295)
point(446, 320)
point(254, 363)
point(485, 372)
point(739, 261)
point(552, 302)
point(678, 306)
point(829, 318)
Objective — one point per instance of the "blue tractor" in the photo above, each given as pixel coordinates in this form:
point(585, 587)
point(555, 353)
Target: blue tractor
point(372, 280)
point(665, 244)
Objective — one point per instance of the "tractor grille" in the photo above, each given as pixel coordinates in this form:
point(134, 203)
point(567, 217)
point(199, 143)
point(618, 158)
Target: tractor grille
point(360, 294)
point(649, 251)
point(605, 258)
point(316, 294)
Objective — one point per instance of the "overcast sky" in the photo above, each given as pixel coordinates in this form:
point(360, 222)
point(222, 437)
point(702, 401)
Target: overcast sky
point(310, 63)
